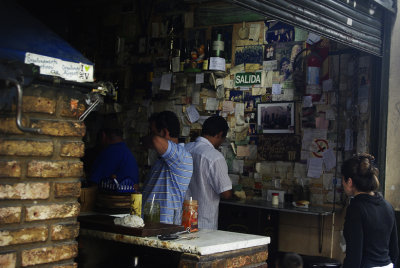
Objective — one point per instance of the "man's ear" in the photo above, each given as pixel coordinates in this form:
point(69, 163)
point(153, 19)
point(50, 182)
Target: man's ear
point(350, 182)
point(165, 133)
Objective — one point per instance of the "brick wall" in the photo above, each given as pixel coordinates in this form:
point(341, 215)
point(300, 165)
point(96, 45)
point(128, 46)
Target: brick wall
point(39, 178)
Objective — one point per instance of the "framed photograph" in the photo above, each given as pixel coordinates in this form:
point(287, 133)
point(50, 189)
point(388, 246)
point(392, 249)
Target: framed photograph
point(276, 117)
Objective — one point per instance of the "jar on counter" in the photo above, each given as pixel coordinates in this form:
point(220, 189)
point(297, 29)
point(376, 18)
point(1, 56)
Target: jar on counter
point(189, 216)
point(275, 199)
point(136, 204)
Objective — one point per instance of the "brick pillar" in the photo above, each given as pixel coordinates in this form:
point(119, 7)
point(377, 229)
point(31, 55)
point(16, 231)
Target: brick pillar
point(39, 179)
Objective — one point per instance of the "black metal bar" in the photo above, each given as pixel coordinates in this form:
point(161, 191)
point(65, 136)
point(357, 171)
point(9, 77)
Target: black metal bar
point(384, 100)
point(358, 15)
point(329, 17)
point(281, 14)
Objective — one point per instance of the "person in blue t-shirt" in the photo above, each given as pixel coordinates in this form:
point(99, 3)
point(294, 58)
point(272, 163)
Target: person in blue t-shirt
point(115, 160)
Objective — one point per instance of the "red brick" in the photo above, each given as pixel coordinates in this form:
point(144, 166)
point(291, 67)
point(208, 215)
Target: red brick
point(10, 169)
point(25, 191)
point(49, 254)
point(10, 214)
point(50, 169)
point(52, 211)
point(60, 128)
point(71, 107)
point(38, 104)
point(72, 149)
point(26, 148)
point(24, 235)
point(8, 125)
point(8, 260)
point(72, 189)
point(64, 231)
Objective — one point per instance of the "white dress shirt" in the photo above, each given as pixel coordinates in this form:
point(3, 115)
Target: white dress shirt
point(209, 179)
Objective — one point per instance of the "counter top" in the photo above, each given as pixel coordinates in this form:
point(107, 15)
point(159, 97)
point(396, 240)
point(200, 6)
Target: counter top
point(203, 242)
point(313, 210)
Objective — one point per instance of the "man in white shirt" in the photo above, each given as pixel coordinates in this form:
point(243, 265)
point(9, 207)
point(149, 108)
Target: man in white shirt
point(210, 179)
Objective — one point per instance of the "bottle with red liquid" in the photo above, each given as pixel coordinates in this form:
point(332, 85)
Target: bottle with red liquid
point(189, 216)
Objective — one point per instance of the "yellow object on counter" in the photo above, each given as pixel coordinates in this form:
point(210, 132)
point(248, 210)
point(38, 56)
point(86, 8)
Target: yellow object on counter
point(136, 204)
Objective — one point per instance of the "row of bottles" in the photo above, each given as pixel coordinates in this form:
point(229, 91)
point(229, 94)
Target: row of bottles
point(193, 57)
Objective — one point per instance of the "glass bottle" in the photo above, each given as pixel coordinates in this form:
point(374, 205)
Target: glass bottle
point(206, 56)
point(218, 46)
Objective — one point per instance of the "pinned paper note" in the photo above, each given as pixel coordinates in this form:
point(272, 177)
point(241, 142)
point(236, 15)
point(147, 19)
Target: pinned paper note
point(237, 166)
point(329, 159)
point(192, 113)
point(217, 64)
point(166, 81)
point(185, 131)
point(211, 104)
point(270, 65)
point(254, 32)
point(228, 107)
point(276, 89)
point(313, 38)
point(314, 167)
point(257, 91)
point(242, 151)
point(200, 78)
point(237, 69)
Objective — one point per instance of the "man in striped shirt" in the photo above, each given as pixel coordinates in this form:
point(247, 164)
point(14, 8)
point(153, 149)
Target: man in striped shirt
point(170, 175)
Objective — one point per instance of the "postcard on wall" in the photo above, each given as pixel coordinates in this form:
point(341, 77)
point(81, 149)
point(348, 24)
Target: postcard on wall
point(249, 54)
point(269, 52)
point(276, 31)
point(236, 95)
point(270, 65)
point(285, 55)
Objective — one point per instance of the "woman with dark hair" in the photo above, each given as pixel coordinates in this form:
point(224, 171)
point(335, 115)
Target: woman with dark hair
point(370, 226)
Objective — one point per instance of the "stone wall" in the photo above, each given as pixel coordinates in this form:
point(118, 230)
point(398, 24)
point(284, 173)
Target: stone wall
point(40, 178)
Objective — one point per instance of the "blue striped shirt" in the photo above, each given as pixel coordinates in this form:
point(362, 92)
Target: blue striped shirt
point(168, 181)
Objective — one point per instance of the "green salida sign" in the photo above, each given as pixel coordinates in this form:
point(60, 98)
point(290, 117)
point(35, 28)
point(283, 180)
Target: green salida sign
point(247, 79)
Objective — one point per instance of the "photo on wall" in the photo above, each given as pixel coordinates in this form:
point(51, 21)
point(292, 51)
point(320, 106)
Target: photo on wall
point(277, 117)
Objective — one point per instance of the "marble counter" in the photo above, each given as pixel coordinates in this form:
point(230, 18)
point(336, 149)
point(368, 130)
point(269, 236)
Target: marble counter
point(203, 242)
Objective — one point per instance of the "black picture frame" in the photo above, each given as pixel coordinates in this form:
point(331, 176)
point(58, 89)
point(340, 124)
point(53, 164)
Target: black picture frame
point(276, 117)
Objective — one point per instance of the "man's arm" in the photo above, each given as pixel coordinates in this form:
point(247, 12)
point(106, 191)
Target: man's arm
point(226, 194)
point(160, 144)
point(155, 142)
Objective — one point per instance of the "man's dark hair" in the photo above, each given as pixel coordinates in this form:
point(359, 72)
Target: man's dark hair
point(112, 132)
point(111, 125)
point(168, 120)
point(214, 125)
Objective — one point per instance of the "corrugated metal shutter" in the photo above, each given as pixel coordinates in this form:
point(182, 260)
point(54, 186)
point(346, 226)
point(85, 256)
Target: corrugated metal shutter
point(329, 18)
